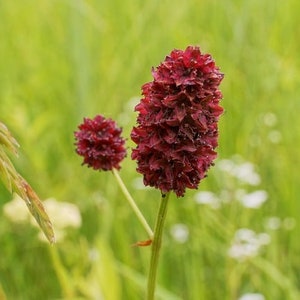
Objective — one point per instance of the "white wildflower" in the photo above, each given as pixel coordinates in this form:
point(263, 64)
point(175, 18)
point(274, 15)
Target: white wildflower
point(226, 165)
point(252, 296)
point(180, 233)
point(16, 210)
point(254, 199)
point(208, 198)
point(272, 223)
point(63, 214)
point(247, 244)
point(245, 172)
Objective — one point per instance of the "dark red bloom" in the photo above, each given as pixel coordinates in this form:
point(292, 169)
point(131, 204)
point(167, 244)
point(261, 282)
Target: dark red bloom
point(100, 143)
point(177, 128)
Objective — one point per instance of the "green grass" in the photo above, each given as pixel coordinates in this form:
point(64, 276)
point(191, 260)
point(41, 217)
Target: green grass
point(63, 60)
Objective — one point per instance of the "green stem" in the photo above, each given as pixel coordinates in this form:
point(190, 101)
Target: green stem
point(161, 216)
point(133, 205)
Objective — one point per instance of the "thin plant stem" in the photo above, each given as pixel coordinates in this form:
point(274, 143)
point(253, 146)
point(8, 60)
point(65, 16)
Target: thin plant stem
point(156, 244)
point(133, 205)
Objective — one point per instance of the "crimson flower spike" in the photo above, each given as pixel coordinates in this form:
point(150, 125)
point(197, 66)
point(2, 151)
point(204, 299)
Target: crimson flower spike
point(177, 125)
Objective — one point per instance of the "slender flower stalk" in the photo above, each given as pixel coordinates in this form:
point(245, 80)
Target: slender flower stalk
point(133, 205)
point(156, 245)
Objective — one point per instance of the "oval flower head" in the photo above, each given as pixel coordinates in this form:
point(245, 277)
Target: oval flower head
point(177, 127)
point(100, 143)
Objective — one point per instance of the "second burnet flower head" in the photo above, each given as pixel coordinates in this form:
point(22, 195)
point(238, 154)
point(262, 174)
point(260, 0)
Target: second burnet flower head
point(100, 143)
point(177, 127)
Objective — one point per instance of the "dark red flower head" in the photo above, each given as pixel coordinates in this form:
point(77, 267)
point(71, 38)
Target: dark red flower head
point(100, 143)
point(177, 128)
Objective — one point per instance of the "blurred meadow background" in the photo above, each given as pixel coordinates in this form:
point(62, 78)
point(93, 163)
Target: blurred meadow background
point(237, 236)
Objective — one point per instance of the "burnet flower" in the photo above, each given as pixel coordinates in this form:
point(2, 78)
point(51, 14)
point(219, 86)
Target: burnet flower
point(177, 129)
point(100, 144)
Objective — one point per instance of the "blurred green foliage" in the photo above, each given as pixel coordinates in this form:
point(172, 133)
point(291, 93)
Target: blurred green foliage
point(63, 60)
